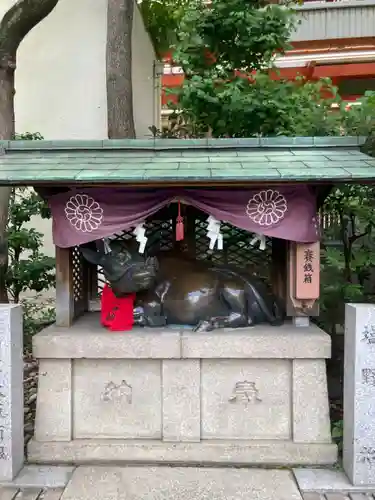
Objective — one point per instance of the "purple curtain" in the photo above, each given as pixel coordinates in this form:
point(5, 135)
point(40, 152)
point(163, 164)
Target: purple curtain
point(83, 215)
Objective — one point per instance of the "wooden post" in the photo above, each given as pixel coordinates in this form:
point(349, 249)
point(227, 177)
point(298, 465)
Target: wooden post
point(81, 283)
point(64, 287)
point(279, 268)
point(92, 277)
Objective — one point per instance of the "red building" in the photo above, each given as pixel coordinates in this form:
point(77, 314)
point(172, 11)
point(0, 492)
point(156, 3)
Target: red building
point(334, 39)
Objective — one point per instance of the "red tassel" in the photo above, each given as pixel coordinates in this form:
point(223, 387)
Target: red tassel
point(179, 225)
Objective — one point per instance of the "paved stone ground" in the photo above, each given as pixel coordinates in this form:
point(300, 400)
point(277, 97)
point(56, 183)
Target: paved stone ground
point(56, 493)
point(338, 496)
point(30, 493)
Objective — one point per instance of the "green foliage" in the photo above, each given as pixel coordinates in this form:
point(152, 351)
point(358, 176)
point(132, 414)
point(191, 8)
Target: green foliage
point(216, 40)
point(226, 50)
point(38, 313)
point(337, 433)
point(360, 119)
point(349, 255)
point(162, 19)
point(29, 268)
point(29, 136)
point(266, 107)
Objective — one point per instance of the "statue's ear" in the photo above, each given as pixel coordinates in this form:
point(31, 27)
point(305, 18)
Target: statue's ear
point(130, 246)
point(91, 254)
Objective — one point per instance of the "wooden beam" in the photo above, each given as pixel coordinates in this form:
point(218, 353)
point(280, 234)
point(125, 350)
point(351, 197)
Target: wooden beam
point(345, 70)
point(64, 287)
point(333, 71)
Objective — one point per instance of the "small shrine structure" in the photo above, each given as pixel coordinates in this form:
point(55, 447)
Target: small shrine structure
point(248, 395)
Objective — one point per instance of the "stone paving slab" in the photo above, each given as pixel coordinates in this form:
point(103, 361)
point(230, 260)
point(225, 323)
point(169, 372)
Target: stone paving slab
point(41, 476)
point(51, 494)
point(116, 485)
point(179, 483)
point(327, 481)
point(338, 496)
point(14, 493)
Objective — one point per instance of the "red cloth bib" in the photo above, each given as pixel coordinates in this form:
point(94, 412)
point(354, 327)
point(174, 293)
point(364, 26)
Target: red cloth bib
point(117, 313)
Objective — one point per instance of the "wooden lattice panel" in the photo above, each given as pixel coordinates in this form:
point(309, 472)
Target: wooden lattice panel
point(237, 250)
point(78, 275)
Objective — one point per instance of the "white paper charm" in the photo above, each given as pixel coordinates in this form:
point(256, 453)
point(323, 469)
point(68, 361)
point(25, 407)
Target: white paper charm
point(214, 234)
point(140, 236)
point(107, 246)
point(262, 241)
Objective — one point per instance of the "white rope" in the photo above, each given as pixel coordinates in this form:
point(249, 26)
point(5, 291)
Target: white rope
point(262, 241)
point(214, 234)
point(107, 246)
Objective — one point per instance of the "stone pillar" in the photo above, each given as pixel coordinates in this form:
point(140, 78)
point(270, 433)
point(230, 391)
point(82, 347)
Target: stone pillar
point(359, 394)
point(11, 391)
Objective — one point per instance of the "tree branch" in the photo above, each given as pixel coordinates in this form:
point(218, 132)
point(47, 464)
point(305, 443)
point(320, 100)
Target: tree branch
point(14, 26)
point(356, 237)
point(18, 21)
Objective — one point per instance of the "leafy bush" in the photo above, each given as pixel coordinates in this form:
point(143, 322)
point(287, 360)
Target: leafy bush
point(29, 269)
point(38, 313)
point(348, 253)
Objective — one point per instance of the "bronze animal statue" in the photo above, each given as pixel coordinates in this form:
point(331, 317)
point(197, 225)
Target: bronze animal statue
point(175, 290)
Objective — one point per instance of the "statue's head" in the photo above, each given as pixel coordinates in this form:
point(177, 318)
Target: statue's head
point(126, 270)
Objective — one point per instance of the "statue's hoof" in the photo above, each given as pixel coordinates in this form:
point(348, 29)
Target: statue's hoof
point(203, 326)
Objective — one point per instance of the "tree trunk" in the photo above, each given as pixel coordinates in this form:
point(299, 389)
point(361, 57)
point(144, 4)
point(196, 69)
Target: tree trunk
point(119, 69)
point(6, 132)
point(15, 25)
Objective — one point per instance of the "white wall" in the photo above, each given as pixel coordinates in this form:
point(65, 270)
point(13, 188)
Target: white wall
point(61, 77)
point(61, 74)
point(146, 89)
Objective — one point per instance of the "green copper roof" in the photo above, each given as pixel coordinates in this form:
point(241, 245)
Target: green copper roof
point(279, 159)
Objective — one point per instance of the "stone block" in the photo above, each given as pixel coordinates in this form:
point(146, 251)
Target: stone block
point(220, 452)
point(88, 339)
point(261, 342)
point(359, 394)
point(117, 399)
point(54, 391)
point(246, 399)
point(11, 391)
point(311, 421)
point(175, 483)
point(181, 400)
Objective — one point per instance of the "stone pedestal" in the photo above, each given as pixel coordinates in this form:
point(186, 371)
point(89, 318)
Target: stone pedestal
point(359, 394)
point(249, 396)
point(11, 392)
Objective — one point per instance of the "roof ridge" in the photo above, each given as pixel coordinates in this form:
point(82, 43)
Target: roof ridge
point(280, 142)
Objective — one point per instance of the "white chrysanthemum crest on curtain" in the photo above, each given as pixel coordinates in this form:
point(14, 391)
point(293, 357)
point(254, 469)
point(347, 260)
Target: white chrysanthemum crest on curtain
point(84, 213)
point(266, 208)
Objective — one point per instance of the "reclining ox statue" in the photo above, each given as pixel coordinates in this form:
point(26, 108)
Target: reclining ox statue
point(172, 289)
